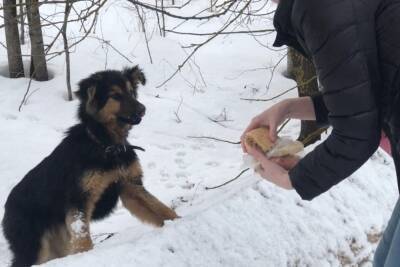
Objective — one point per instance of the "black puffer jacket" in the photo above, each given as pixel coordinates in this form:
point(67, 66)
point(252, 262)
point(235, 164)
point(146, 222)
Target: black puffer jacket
point(355, 46)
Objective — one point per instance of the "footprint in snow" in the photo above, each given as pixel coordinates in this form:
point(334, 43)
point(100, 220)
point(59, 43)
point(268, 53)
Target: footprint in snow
point(33, 118)
point(164, 175)
point(181, 163)
point(163, 147)
point(187, 185)
point(212, 163)
point(9, 117)
point(181, 175)
point(177, 145)
point(151, 165)
point(181, 153)
point(169, 185)
point(178, 201)
point(195, 147)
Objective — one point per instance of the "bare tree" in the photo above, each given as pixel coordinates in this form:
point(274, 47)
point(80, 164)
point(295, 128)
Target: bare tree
point(302, 71)
point(15, 65)
point(22, 21)
point(68, 7)
point(38, 58)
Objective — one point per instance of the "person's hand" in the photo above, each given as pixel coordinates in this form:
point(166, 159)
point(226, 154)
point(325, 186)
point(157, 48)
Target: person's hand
point(287, 162)
point(270, 170)
point(271, 118)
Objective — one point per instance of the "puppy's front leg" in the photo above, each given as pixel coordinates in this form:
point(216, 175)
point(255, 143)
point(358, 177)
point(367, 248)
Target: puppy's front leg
point(144, 205)
point(78, 228)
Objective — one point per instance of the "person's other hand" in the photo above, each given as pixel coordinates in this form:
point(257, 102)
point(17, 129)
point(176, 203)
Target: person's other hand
point(271, 118)
point(270, 170)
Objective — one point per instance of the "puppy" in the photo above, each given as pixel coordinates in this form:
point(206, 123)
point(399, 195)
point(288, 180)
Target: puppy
point(48, 214)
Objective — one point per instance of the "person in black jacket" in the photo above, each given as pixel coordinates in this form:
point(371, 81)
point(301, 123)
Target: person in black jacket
point(355, 46)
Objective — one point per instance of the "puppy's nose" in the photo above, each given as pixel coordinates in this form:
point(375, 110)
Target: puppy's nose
point(142, 111)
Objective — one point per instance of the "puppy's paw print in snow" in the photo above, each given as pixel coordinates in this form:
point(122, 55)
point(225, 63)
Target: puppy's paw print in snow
point(9, 117)
point(212, 163)
point(299, 204)
point(151, 165)
point(171, 249)
point(33, 118)
point(169, 185)
point(208, 145)
point(187, 185)
point(195, 147)
point(177, 145)
point(178, 202)
point(164, 175)
point(163, 147)
point(181, 175)
point(181, 153)
point(262, 191)
point(181, 163)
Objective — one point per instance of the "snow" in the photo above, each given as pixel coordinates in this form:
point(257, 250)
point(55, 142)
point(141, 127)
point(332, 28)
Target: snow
point(78, 226)
point(248, 222)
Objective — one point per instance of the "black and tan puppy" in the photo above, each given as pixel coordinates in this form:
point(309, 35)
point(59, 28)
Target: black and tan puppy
point(47, 214)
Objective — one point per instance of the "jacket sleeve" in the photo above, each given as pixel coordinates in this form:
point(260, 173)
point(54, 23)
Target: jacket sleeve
point(321, 112)
point(338, 49)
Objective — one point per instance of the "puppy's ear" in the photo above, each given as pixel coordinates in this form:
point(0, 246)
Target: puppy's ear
point(86, 94)
point(135, 75)
point(90, 102)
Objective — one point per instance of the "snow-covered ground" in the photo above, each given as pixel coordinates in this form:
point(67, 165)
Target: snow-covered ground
point(246, 223)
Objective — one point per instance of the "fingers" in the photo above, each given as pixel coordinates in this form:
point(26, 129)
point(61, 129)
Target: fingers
point(258, 155)
point(272, 132)
point(274, 174)
point(287, 162)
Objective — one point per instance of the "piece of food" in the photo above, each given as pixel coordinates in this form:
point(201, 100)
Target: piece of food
point(285, 147)
point(259, 138)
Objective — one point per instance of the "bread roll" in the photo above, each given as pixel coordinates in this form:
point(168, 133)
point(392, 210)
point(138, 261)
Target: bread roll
point(259, 138)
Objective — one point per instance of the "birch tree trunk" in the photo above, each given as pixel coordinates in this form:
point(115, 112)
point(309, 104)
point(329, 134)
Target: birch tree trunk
point(38, 58)
point(15, 65)
point(22, 21)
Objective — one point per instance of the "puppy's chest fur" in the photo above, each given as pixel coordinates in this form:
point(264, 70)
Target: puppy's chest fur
point(94, 183)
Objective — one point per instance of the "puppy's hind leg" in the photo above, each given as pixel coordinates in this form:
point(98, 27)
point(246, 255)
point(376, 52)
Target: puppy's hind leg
point(55, 244)
point(145, 206)
point(24, 242)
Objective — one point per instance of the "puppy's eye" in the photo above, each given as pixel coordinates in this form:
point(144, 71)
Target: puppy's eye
point(116, 97)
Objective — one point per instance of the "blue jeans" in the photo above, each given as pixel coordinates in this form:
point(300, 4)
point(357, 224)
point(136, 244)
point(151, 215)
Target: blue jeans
point(388, 252)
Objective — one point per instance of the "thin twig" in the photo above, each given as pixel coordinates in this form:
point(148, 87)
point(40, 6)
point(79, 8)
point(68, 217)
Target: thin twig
point(215, 139)
point(198, 46)
point(143, 23)
point(26, 93)
point(227, 182)
point(178, 119)
point(281, 94)
point(27, 98)
point(273, 71)
point(283, 126)
point(222, 33)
